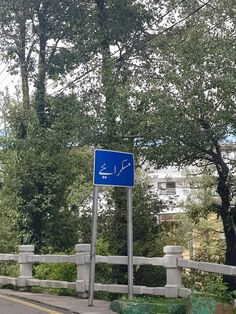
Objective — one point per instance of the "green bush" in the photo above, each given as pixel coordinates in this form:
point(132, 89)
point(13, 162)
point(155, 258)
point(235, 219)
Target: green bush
point(149, 305)
point(103, 271)
point(68, 272)
point(151, 276)
point(10, 269)
point(64, 272)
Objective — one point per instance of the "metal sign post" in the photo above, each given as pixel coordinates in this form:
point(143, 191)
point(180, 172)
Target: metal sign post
point(112, 168)
point(93, 246)
point(130, 242)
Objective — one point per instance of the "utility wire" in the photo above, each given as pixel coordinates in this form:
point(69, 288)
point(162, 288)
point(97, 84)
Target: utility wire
point(157, 21)
point(150, 38)
point(10, 82)
point(4, 79)
point(7, 76)
point(3, 70)
point(168, 12)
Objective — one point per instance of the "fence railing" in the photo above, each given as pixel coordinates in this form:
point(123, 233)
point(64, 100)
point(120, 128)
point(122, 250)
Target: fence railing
point(172, 261)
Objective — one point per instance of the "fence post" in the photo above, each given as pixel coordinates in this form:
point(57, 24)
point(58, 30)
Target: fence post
point(173, 272)
point(25, 267)
point(82, 250)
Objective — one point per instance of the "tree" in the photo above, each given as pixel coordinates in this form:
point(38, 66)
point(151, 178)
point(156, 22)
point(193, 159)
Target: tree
point(37, 37)
point(121, 27)
point(193, 113)
point(113, 229)
point(199, 230)
point(42, 169)
point(8, 213)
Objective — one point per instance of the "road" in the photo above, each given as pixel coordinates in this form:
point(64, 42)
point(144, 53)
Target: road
point(12, 305)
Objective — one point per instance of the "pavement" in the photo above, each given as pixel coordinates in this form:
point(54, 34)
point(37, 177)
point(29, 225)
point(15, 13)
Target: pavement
point(72, 304)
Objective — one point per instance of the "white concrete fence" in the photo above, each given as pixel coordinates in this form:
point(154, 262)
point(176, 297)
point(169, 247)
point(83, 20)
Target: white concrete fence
point(172, 261)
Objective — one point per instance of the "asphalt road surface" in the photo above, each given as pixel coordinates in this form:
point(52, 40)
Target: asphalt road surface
point(12, 305)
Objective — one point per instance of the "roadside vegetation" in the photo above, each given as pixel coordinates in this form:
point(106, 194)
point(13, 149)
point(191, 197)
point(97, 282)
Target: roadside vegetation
point(154, 78)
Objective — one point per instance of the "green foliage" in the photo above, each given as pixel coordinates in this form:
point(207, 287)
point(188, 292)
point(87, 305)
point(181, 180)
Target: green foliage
point(8, 211)
point(146, 206)
point(103, 272)
point(151, 276)
point(43, 174)
point(64, 272)
point(202, 199)
point(10, 269)
point(200, 304)
point(63, 20)
point(124, 19)
point(215, 293)
point(220, 291)
point(149, 305)
point(113, 228)
point(197, 80)
point(47, 189)
point(68, 272)
point(169, 98)
point(40, 173)
point(192, 109)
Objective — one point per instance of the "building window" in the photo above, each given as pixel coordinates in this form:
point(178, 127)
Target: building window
point(167, 188)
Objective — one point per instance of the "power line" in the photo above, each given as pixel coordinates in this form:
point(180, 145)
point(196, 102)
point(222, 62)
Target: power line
point(151, 37)
point(10, 82)
point(2, 63)
point(3, 69)
point(157, 21)
point(4, 79)
point(168, 12)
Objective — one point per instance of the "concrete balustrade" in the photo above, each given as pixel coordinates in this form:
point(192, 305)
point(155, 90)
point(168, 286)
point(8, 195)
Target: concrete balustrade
point(25, 251)
point(172, 261)
point(173, 272)
point(82, 258)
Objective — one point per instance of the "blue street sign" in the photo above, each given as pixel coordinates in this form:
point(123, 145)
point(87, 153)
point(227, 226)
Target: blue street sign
point(113, 168)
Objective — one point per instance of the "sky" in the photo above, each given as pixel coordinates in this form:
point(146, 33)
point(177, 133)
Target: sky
point(7, 81)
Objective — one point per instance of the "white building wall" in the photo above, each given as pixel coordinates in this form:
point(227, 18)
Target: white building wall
point(172, 183)
point(172, 186)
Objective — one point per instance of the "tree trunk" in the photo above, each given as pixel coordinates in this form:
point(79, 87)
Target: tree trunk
point(40, 97)
point(228, 218)
point(108, 79)
point(23, 63)
point(230, 255)
point(25, 87)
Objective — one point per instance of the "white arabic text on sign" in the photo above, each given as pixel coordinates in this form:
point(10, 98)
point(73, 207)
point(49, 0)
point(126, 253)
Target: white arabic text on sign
point(125, 164)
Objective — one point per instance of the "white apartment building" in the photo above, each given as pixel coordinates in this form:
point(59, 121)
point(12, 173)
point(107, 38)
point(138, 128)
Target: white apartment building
point(173, 184)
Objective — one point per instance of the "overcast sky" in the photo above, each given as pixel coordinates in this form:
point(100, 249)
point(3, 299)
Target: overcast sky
point(7, 80)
